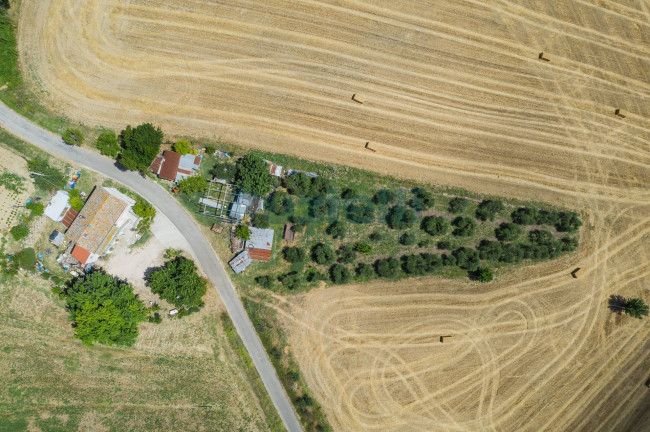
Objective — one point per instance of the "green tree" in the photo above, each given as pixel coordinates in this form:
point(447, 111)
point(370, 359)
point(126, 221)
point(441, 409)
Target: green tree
point(76, 203)
point(465, 226)
point(179, 283)
point(348, 193)
point(19, 232)
point(144, 209)
point(365, 271)
point(140, 146)
point(294, 254)
point(25, 259)
point(636, 308)
point(243, 232)
point(297, 184)
point(225, 171)
point(274, 202)
point(422, 199)
point(525, 216)
point(489, 250)
point(361, 213)
point(104, 309)
point(484, 274)
point(107, 144)
point(346, 254)
point(363, 248)
point(73, 137)
point(444, 245)
point(340, 274)
point(383, 197)
point(508, 231)
point(265, 281)
point(336, 230)
point(568, 222)
point(407, 239)
point(192, 184)
point(511, 253)
point(413, 264)
point(319, 186)
point(318, 207)
point(458, 205)
point(36, 208)
point(488, 209)
point(322, 254)
point(209, 150)
point(387, 268)
point(291, 280)
point(435, 225)
point(45, 176)
point(261, 220)
point(253, 175)
point(432, 262)
point(467, 258)
point(182, 147)
point(400, 217)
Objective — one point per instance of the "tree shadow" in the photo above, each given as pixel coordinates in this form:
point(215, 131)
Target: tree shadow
point(617, 303)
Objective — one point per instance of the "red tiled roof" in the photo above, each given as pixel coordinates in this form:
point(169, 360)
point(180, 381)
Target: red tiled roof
point(80, 254)
point(260, 254)
point(197, 160)
point(155, 165)
point(183, 171)
point(170, 165)
point(69, 217)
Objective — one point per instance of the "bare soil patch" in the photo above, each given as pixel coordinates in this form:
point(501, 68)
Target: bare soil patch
point(11, 201)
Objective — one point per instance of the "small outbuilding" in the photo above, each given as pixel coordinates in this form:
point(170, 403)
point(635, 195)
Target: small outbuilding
point(289, 233)
point(58, 206)
point(239, 263)
point(260, 244)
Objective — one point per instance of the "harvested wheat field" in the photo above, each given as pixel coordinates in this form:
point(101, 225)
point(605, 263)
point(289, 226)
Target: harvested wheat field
point(454, 94)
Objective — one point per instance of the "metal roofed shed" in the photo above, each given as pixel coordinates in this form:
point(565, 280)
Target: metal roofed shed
point(240, 206)
point(58, 206)
point(260, 244)
point(240, 262)
point(56, 238)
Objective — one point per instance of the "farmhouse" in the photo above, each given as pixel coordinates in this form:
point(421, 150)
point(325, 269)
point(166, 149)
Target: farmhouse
point(174, 167)
point(105, 217)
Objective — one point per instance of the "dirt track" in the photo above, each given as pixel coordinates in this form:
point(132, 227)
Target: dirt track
point(454, 95)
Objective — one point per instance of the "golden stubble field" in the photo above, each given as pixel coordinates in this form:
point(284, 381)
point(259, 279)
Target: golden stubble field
point(455, 95)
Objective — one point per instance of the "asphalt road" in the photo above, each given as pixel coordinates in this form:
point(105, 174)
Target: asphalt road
point(163, 201)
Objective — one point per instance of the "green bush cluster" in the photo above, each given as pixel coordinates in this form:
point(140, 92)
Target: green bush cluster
point(107, 144)
point(562, 221)
point(73, 137)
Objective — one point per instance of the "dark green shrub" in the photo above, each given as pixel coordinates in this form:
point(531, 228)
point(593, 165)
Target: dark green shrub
point(346, 254)
point(489, 250)
point(413, 264)
point(322, 254)
point(432, 262)
point(225, 171)
point(336, 230)
point(484, 275)
point(511, 253)
point(464, 226)
point(448, 260)
point(467, 258)
point(569, 244)
point(274, 202)
point(488, 209)
point(365, 271)
point(547, 217)
point(19, 232)
point(340, 274)
point(107, 144)
point(73, 137)
point(261, 220)
point(319, 186)
point(313, 275)
point(400, 217)
point(265, 281)
point(376, 236)
point(318, 206)
point(383, 197)
point(525, 216)
point(288, 206)
point(568, 222)
point(422, 199)
point(444, 245)
point(348, 193)
point(253, 175)
point(435, 225)
point(458, 205)
point(387, 268)
point(297, 184)
point(140, 146)
point(407, 239)
point(294, 254)
point(291, 280)
point(508, 231)
point(361, 213)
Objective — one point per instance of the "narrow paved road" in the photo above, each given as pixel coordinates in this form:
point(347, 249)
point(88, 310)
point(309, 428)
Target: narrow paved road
point(163, 201)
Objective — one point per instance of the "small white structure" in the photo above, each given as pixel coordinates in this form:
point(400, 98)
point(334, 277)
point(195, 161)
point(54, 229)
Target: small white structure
point(275, 170)
point(58, 206)
point(173, 312)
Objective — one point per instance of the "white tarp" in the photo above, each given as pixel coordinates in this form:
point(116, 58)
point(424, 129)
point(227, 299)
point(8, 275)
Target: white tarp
point(58, 206)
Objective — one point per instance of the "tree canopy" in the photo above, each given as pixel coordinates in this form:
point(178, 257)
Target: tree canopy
point(182, 147)
point(140, 146)
point(178, 282)
point(243, 232)
point(400, 217)
point(322, 254)
point(294, 254)
point(144, 209)
point(107, 144)
point(435, 225)
point(73, 137)
point(193, 184)
point(488, 209)
point(104, 309)
point(422, 199)
point(253, 175)
point(49, 178)
point(19, 232)
point(297, 184)
point(458, 205)
point(465, 226)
